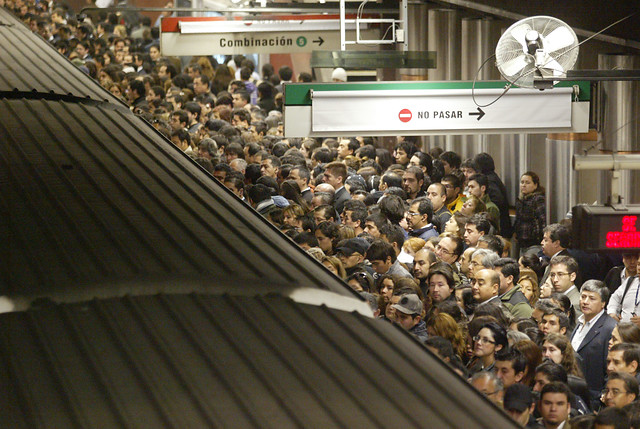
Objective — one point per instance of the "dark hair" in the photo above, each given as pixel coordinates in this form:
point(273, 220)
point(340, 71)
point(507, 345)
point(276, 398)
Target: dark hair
point(426, 161)
point(393, 233)
point(612, 416)
point(424, 207)
point(444, 347)
point(560, 233)
point(193, 107)
point(392, 207)
point(484, 161)
point(630, 382)
point(508, 267)
point(364, 279)
point(285, 73)
point(451, 158)
point(453, 178)
point(481, 223)
point(630, 352)
point(532, 261)
point(556, 387)
point(481, 180)
point(536, 181)
point(499, 333)
point(378, 219)
point(236, 179)
point(380, 250)
point(493, 242)
point(517, 359)
point(443, 269)
point(331, 230)
point(567, 310)
point(266, 89)
point(554, 372)
point(306, 237)
point(392, 180)
point(138, 86)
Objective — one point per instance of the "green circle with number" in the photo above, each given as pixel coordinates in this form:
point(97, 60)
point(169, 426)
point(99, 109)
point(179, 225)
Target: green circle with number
point(301, 41)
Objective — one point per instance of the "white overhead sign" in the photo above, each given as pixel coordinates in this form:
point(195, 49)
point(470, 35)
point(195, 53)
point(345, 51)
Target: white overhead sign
point(250, 43)
point(186, 36)
point(433, 111)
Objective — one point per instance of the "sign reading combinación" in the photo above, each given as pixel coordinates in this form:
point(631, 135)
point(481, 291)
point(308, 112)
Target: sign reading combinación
point(207, 36)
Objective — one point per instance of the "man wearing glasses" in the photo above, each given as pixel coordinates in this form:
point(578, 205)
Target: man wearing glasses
point(621, 389)
point(419, 219)
point(562, 275)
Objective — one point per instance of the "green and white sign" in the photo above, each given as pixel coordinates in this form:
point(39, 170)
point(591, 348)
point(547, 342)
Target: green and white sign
point(408, 109)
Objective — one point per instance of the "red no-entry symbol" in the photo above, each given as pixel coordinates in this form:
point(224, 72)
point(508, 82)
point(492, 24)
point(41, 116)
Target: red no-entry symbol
point(405, 115)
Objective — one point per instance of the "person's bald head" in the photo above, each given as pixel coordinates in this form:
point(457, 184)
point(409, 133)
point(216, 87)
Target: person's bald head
point(325, 187)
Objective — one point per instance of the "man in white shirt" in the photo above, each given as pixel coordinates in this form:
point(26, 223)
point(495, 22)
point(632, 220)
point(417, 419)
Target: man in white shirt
point(590, 338)
point(624, 305)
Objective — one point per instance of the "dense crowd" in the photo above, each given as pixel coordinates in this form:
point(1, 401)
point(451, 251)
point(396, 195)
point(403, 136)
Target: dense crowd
point(547, 332)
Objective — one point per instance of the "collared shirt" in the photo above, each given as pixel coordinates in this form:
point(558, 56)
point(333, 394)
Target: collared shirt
point(583, 329)
point(625, 306)
point(566, 292)
point(623, 275)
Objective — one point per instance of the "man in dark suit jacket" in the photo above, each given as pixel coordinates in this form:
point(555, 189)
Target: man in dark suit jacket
point(335, 175)
point(591, 336)
point(554, 243)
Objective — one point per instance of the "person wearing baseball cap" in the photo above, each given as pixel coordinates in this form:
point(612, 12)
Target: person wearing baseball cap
point(351, 253)
point(408, 312)
point(518, 403)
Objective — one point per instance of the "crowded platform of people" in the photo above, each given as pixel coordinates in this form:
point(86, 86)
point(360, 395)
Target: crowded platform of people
point(548, 332)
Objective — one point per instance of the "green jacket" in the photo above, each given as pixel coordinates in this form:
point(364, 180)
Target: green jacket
point(493, 211)
point(517, 303)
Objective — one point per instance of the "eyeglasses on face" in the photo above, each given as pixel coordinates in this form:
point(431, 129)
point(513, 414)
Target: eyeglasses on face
point(485, 340)
point(614, 392)
point(558, 275)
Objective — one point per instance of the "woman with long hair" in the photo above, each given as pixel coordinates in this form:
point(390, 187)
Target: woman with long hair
point(528, 282)
point(291, 191)
point(557, 348)
point(532, 353)
point(385, 286)
point(221, 79)
point(625, 332)
point(334, 265)
point(532, 262)
point(455, 224)
point(293, 215)
point(531, 215)
point(443, 325)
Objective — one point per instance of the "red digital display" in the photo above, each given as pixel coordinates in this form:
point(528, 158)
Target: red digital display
point(628, 237)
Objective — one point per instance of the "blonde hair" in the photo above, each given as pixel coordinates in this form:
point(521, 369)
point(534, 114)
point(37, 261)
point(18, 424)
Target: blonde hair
point(414, 244)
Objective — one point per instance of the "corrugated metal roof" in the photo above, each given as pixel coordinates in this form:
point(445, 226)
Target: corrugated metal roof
point(194, 361)
point(93, 202)
point(28, 64)
point(94, 197)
